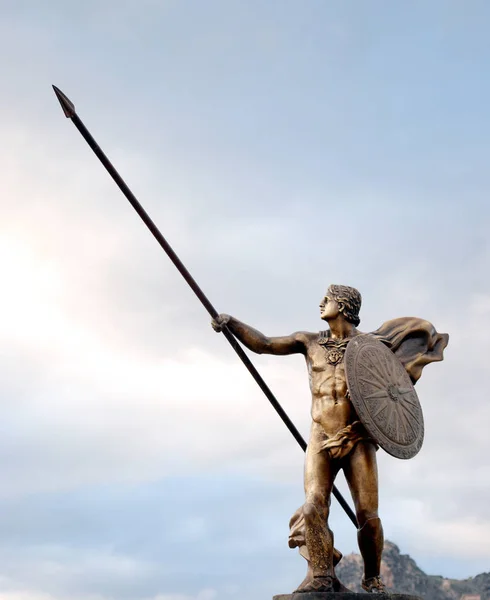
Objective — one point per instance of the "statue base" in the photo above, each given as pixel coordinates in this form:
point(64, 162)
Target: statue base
point(343, 596)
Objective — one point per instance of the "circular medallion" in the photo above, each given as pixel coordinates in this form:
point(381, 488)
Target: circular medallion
point(334, 356)
point(384, 397)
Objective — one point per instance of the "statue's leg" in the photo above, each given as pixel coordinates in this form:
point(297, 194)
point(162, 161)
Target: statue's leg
point(320, 473)
point(297, 539)
point(361, 472)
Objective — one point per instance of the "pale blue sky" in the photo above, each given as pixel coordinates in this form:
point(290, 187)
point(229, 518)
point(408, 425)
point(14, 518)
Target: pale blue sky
point(280, 146)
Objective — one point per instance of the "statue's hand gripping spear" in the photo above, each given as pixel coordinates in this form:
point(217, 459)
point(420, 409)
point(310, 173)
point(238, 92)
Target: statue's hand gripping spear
point(70, 112)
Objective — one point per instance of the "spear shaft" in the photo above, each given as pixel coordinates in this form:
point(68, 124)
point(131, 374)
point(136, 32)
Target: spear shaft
point(70, 112)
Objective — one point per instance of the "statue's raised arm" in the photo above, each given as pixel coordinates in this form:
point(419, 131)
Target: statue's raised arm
point(258, 342)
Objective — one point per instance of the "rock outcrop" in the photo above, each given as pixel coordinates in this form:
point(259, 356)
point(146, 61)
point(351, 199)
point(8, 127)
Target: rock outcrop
point(401, 574)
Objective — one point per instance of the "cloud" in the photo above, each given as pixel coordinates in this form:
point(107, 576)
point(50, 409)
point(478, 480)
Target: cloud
point(62, 572)
point(138, 541)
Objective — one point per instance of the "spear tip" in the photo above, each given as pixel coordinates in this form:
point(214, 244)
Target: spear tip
point(66, 104)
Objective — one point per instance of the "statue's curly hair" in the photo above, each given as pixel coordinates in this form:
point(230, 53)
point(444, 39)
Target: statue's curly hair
point(350, 298)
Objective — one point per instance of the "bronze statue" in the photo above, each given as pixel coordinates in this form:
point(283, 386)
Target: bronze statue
point(338, 438)
point(383, 409)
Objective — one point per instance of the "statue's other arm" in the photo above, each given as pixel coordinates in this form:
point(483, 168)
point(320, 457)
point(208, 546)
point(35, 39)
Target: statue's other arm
point(257, 342)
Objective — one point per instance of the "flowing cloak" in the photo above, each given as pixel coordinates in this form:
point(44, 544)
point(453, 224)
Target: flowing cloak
point(416, 343)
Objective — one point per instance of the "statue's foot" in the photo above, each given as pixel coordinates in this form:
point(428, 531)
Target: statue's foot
point(317, 584)
point(373, 585)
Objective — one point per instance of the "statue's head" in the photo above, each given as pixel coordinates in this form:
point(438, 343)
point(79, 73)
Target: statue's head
point(341, 299)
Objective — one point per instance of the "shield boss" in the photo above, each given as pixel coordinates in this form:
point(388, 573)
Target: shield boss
point(384, 397)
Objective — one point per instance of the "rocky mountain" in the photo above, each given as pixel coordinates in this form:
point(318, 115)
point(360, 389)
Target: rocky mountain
point(401, 574)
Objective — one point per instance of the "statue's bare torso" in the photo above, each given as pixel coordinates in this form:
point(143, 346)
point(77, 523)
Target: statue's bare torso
point(331, 407)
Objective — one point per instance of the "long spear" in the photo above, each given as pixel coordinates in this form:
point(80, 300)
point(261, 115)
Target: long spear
point(70, 112)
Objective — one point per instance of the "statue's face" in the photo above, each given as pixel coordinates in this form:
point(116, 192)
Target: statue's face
point(329, 308)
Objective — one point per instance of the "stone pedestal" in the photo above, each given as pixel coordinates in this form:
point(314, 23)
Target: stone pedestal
point(343, 596)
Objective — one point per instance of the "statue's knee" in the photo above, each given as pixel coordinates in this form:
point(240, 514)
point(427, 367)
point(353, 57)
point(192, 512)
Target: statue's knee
point(368, 519)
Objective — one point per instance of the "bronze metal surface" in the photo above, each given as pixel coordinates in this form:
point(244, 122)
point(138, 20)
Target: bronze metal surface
point(360, 393)
point(384, 397)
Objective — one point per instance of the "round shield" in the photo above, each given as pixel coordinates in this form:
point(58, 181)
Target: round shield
point(384, 397)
